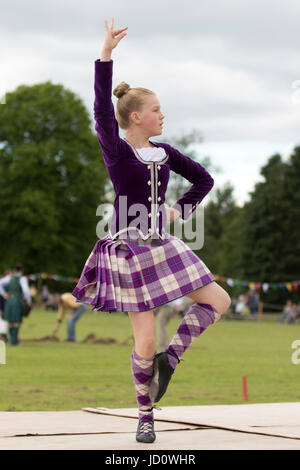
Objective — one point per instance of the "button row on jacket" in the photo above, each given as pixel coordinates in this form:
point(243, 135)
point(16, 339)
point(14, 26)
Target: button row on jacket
point(150, 198)
point(149, 167)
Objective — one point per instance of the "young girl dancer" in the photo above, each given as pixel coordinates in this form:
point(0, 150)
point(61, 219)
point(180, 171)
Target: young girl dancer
point(138, 266)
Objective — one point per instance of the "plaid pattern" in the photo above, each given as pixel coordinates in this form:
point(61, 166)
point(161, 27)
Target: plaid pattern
point(142, 370)
point(136, 275)
point(195, 322)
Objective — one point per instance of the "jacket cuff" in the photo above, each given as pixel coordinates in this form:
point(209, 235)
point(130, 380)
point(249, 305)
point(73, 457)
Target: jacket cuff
point(99, 61)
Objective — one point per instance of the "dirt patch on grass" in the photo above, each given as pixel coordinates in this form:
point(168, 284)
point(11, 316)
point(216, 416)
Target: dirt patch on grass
point(89, 339)
point(54, 339)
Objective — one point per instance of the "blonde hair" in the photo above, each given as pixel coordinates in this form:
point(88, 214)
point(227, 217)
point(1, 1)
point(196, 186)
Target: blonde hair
point(129, 100)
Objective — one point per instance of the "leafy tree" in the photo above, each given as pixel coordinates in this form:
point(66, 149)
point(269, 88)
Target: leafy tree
point(291, 217)
point(271, 245)
point(263, 224)
point(218, 212)
point(52, 179)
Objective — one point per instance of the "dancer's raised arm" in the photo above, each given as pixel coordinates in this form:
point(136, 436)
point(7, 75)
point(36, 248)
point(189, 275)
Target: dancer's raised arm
point(107, 127)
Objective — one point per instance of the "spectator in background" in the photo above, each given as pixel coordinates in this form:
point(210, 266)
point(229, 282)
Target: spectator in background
point(241, 306)
point(233, 305)
point(52, 302)
point(68, 301)
point(294, 311)
point(17, 289)
point(45, 294)
point(287, 312)
point(253, 302)
point(33, 292)
point(4, 323)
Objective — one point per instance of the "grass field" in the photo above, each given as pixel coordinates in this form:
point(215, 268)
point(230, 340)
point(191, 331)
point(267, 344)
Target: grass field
point(68, 376)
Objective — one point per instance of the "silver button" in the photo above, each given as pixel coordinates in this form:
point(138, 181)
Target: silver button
point(149, 198)
point(159, 198)
point(158, 214)
point(149, 229)
point(149, 167)
point(149, 215)
point(159, 183)
point(158, 167)
point(149, 182)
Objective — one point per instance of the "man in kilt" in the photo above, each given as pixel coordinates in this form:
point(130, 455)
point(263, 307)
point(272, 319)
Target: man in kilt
point(17, 289)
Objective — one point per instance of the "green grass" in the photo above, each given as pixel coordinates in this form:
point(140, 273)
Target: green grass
point(68, 376)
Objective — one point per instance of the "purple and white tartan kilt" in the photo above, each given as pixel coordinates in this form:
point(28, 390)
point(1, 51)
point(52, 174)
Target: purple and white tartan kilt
point(135, 275)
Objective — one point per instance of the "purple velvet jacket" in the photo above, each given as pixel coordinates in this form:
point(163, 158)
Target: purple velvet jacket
point(140, 185)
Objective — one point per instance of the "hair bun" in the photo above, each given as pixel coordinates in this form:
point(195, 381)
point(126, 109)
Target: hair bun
point(121, 89)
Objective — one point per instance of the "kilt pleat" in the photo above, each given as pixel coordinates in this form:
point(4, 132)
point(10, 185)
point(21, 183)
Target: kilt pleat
point(13, 310)
point(127, 274)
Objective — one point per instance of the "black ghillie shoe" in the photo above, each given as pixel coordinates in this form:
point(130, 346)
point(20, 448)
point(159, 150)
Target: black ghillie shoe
point(162, 373)
point(145, 431)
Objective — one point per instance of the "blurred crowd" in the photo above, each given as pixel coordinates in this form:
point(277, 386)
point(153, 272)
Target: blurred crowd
point(246, 304)
point(290, 312)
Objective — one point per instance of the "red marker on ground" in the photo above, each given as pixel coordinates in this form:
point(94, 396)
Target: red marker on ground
point(245, 388)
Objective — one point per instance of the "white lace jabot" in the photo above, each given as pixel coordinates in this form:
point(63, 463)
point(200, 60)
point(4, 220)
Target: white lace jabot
point(154, 154)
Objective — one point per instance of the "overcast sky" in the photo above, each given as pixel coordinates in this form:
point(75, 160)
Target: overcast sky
point(227, 68)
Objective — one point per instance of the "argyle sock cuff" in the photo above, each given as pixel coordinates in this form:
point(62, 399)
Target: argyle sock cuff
point(212, 312)
point(142, 370)
point(196, 321)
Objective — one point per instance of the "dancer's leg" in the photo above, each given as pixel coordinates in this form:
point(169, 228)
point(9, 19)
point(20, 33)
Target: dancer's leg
point(211, 301)
point(143, 326)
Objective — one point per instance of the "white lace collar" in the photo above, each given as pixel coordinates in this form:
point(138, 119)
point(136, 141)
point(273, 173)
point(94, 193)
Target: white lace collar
point(151, 153)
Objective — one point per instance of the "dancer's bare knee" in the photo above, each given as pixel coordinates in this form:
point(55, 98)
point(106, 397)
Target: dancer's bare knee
point(212, 294)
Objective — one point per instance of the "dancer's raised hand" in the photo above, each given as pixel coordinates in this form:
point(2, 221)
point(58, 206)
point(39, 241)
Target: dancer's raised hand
point(112, 36)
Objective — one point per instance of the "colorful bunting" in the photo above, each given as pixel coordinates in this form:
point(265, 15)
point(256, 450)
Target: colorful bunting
point(56, 277)
point(289, 286)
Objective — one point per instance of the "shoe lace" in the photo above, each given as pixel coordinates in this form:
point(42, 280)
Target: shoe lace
point(146, 427)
